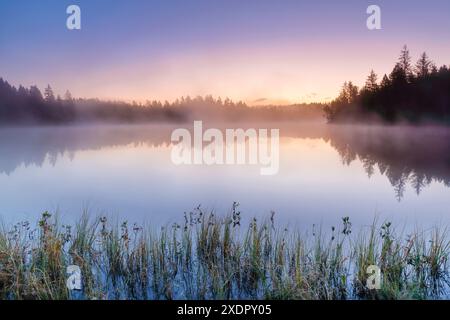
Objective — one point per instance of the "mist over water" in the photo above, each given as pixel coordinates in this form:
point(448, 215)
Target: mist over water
point(326, 172)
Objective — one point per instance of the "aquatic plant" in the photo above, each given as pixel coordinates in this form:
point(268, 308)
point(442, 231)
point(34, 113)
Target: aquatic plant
point(208, 256)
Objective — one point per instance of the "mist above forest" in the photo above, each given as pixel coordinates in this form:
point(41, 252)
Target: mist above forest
point(22, 106)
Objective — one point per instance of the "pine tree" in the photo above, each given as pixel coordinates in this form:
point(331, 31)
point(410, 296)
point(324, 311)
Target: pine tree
point(35, 94)
point(404, 63)
point(385, 82)
point(371, 82)
point(352, 92)
point(48, 94)
point(398, 75)
point(423, 66)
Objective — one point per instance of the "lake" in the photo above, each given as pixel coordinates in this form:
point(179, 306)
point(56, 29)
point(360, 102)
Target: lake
point(326, 172)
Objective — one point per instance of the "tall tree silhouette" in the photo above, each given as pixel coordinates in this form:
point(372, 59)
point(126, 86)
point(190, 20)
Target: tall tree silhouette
point(424, 66)
point(371, 82)
point(403, 95)
point(404, 63)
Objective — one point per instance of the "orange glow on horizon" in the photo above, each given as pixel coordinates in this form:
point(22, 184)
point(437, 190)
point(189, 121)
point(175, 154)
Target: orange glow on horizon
point(283, 74)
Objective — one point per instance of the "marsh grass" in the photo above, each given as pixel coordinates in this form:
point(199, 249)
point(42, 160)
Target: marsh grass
point(215, 257)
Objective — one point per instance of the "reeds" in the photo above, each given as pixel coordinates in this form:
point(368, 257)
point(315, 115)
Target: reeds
point(214, 257)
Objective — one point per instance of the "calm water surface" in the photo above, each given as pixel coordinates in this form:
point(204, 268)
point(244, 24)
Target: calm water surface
point(326, 172)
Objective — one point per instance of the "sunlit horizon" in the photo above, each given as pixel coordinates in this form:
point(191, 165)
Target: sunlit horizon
point(260, 52)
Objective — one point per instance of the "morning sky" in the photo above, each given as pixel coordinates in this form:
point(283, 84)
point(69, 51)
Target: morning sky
point(259, 51)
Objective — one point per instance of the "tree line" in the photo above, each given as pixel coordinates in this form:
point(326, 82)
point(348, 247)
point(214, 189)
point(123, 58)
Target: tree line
point(29, 106)
point(414, 93)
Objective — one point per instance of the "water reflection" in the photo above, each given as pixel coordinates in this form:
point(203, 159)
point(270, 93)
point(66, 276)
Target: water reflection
point(34, 146)
point(405, 155)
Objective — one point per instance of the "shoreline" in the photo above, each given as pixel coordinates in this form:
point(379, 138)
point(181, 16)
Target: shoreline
point(210, 257)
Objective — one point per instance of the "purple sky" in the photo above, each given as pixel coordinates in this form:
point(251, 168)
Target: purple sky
point(279, 50)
